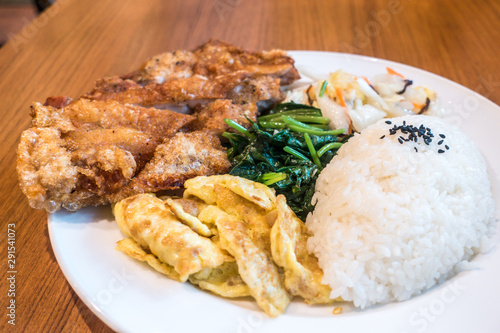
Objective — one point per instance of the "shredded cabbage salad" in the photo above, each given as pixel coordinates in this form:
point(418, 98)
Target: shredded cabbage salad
point(355, 102)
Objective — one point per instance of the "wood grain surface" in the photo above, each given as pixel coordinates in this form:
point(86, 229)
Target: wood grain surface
point(76, 42)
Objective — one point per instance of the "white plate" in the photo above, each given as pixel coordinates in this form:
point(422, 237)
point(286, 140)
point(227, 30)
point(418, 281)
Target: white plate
point(129, 296)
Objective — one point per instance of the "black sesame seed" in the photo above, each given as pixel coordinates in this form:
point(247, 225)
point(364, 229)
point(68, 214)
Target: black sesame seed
point(388, 122)
point(383, 136)
point(416, 149)
point(412, 133)
point(447, 148)
point(443, 136)
point(440, 151)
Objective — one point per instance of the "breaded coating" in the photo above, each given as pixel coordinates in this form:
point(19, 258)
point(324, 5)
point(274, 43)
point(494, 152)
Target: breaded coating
point(47, 174)
point(89, 153)
point(174, 91)
point(263, 91)
point(87, 115)
point(210, 117)
point(243, 104)
point(165, 67)
point(216, 58)
point(184, 156)
point(212, 71)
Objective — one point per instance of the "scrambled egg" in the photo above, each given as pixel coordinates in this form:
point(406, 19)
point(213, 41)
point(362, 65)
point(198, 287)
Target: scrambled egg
point(228, 235)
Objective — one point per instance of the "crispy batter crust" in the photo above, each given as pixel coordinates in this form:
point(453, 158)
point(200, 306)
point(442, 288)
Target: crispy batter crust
point(104, 146)
point(89, 153)
point(185, 156)
point(174, 91)
point(214, 70)
point(210, 117)
point(215, 58)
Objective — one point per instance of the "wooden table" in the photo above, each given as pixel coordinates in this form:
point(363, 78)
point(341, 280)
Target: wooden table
point(76, 42)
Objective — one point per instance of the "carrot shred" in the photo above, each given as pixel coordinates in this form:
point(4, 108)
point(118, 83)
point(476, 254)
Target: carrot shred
point(340, 95)
point(393, 72)
point(417, 106)
point(364, 78)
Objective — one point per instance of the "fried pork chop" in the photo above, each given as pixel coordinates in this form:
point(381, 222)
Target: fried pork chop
point(184, 156)
point(87, 115)
point(94, 152)
point(212, 59)
point(210, 117)
point(106, 145)
point(214, 70)
point(196, 89)
point(174, 91)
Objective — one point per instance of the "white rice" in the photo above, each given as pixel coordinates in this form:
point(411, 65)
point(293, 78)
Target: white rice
point(391, 222)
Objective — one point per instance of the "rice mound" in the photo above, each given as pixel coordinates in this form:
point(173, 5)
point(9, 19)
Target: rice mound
point(391, 222)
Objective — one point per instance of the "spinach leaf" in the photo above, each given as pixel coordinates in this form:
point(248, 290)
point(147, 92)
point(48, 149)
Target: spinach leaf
point(262, 154)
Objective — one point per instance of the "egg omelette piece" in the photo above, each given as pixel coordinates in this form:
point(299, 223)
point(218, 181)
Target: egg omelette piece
point(255, 266)
point(224, 280)
point(151, 223)
point(191, 221)
point(132, 249)
point(254, 217)
point(288, 244)
point(202, 187)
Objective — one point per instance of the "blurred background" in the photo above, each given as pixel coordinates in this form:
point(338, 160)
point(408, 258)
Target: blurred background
point(15, 14)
